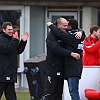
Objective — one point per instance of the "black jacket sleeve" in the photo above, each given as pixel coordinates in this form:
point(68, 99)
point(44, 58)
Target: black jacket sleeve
point(83, 34)
point(64, 36)
point(21, 46)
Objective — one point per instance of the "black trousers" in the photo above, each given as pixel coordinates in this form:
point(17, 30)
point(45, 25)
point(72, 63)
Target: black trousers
point(9, 90)
point(54, 88)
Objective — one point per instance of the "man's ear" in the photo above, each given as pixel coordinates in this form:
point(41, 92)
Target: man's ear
point(58, 25)
point(3, 30)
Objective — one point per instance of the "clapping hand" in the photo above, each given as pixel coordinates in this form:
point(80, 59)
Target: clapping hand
point(15, 35)
point(25, 36)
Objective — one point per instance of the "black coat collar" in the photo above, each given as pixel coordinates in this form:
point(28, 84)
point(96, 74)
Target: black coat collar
point(5, 35)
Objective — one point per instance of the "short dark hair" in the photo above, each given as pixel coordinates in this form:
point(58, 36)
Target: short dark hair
point(73, 23)
point(5, 24)
point(94, 28)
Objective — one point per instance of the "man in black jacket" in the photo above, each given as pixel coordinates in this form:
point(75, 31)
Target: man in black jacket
point(73, 67)
point(55, 64)
point(10, 46)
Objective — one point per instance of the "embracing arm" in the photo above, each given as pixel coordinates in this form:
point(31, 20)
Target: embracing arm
point(77, 37)
point(57, 49)
point(64, 36)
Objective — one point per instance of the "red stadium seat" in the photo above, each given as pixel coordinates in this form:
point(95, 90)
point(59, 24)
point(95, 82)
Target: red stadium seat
point(92, 94)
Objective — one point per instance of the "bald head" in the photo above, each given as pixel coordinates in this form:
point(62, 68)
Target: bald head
point(61, 20)
point(62, 23)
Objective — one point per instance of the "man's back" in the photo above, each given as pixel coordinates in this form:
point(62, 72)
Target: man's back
point(54, 61)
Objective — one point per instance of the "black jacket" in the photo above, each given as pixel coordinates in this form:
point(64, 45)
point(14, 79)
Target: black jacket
point(55, 56)
point(73, 67)
point(9, 48)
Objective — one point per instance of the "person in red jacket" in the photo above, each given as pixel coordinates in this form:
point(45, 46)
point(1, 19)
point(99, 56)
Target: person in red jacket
point(91, 52)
